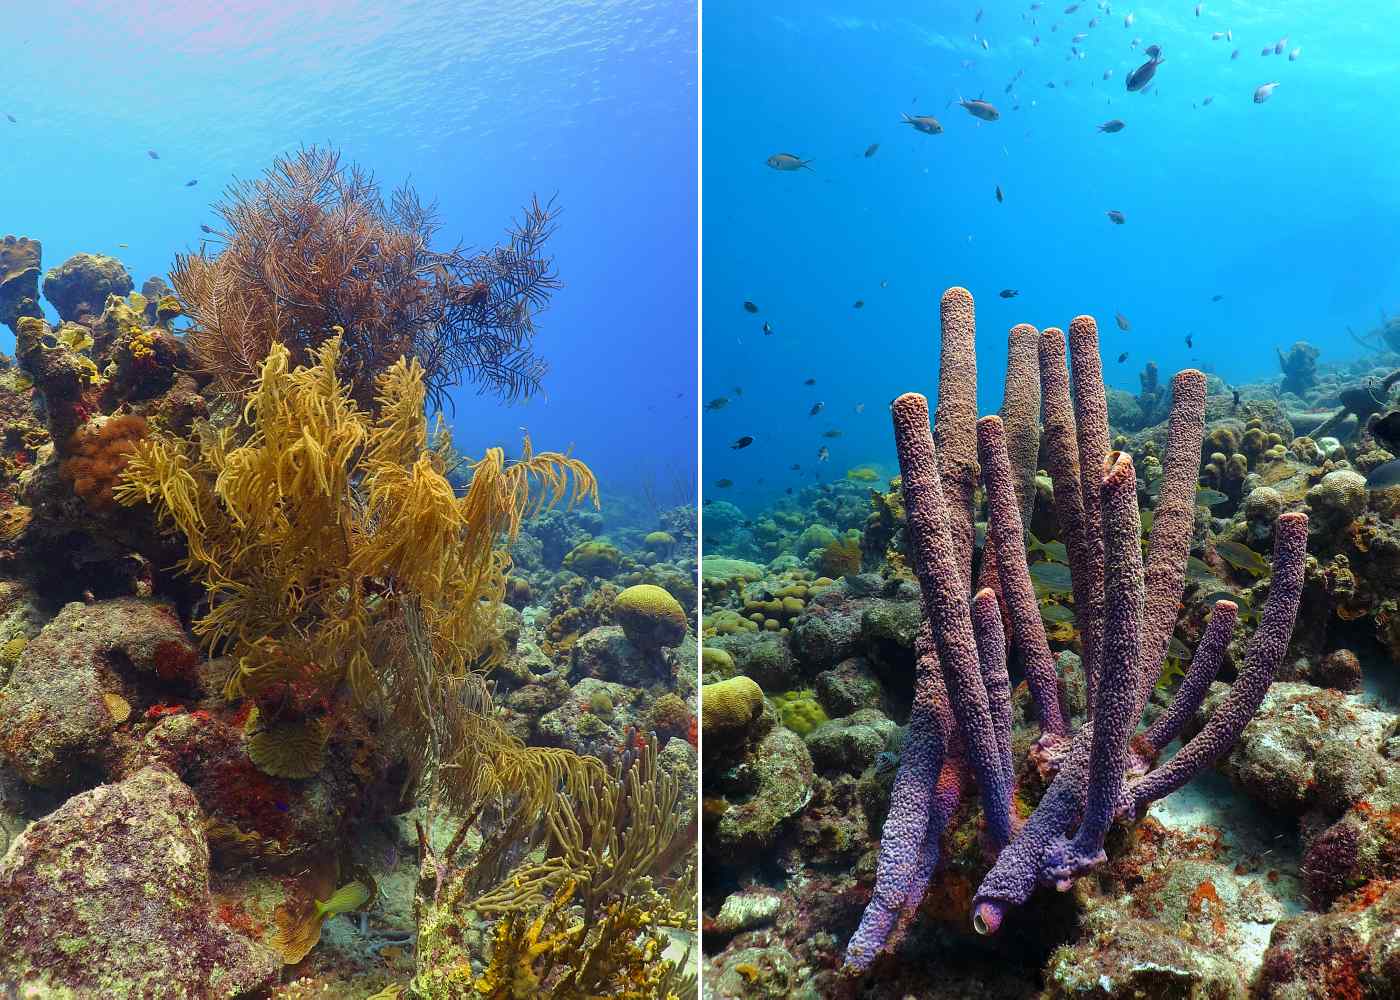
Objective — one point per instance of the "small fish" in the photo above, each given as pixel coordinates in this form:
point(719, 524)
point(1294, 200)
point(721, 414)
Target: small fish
point(1079, 37)
point(1198, 9)
point(724, 484)
point(205, 229)
point(886, 762)
point(153, 154)
point(1108, 74)
point(718, 403)
point(823, 453)
point(1235, 54)
point(1188, 341)
point(1009, 293)
point(1071, 8)
point(1293, 56)
point(191, 183)
point(1142, 76)
point(749, 307)
point(816, 408)
point(796, 468)
point(1384, 476)
point(858, 304)
point(1123, 323)
point(810, 381)
point(1123, 357)
point(738, 390)
point(927, 124)
point(1236, 404)
point(767, 328)
point(1200, 571)
point(124, 246)
point(978, 17)
point(12, 119)
point(1206, 101)
point(1116, 217)
point(786, 161)
point(1000, 197)
point(1128, 20)
point(1267, 50)
point(831, 434)
point(981, 109)
point(743, 442)
point(788, 491)
point(860, 407)
point(870, 149)
point(1215, 36)
point(1207, 497)
point(884, 284)
point(1113, 125)
point(984, 45)
point(1216, 298)
point(1263, 92)
point(1242, 557)
point(1278, 46)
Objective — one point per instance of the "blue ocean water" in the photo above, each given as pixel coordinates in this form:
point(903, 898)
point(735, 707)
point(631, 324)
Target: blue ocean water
point(1286, 209)
point(479, 104)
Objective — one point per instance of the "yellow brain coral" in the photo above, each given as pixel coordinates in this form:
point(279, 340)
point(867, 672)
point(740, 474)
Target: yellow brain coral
point(729, 708)
point(650, 616)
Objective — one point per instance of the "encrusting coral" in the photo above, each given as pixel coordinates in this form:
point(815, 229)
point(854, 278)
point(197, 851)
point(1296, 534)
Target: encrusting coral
point(98, 455)
point(961, 719)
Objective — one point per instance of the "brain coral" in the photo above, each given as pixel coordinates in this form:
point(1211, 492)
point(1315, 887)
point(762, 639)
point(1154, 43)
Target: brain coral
point(650, 616)
point(729, 708)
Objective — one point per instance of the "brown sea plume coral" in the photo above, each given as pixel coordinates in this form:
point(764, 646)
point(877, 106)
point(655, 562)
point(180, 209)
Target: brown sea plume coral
point(311, 520)
point(312, 245)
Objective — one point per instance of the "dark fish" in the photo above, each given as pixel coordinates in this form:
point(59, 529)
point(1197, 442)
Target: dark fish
point(1383, 477)
point(1216, 298)
point(767, 328)
point(1000, 197)
point(738, 390)
point(796, 467)
point(13, 120)
point(858, 304)
point(1071, 8)
point(1123, 357)
point(786, 161)
point(981, 109)
point(205, 229)
point(870, 149)
point(1278, 46)
point(718, 403)
point(724, 484)
point(927, 124)
point(1009, 293)
point(823, 453)
point(1188, 341)
point(743, 442)
point(1116, 217)
point(1122, 321)
point(750, 307)
point(153, 154)
point(978, 17)
point(831, 434)
point(1206, 101)
point(816, 408)
point(190, 184)
point(788, 491)
point(1143, 75)
point(1235, 54)
point(1113, 125)
point(1236, 404)
point(810, 381)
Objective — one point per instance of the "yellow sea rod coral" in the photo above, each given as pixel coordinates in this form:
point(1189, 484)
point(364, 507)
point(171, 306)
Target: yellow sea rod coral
point(311, 520)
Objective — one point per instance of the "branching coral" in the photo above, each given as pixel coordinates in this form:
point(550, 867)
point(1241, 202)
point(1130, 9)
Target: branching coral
point(311, 245)
point(310, 520)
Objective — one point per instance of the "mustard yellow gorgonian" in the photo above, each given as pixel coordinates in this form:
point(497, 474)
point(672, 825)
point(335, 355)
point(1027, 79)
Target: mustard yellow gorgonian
point(310, 519)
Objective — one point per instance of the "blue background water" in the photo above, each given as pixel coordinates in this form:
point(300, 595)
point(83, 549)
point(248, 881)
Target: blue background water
point(482, 104)
point(1289, 209)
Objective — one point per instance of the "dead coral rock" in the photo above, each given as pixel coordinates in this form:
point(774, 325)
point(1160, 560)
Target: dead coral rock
point(19, 279)
point(1121, 957)
point(1354, 951)
point(108, 896)
point(765, 791)
point(54, 720)
point(1306, 747)
point(78, 288)
point(607, 654)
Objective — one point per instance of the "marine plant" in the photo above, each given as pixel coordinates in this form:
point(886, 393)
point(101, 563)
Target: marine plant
point(960, 725)
point(312, 245)
point(310, 519)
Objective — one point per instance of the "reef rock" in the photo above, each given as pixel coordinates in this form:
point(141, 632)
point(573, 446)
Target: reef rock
point(773, 785)
point(108, 896)
point(19, 279)
point(850, 745)
point(1352, 952)
point(78, 288)
point(77, 678)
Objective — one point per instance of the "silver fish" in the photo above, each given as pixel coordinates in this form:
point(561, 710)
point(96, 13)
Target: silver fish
point(1278, 45)
point(927, 124)
point(1116, 217)
point(1113, 125)
point(1293, 56)
point(786, 161)
point(1263, 92)
point(1128, 20)
point(981, 109)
